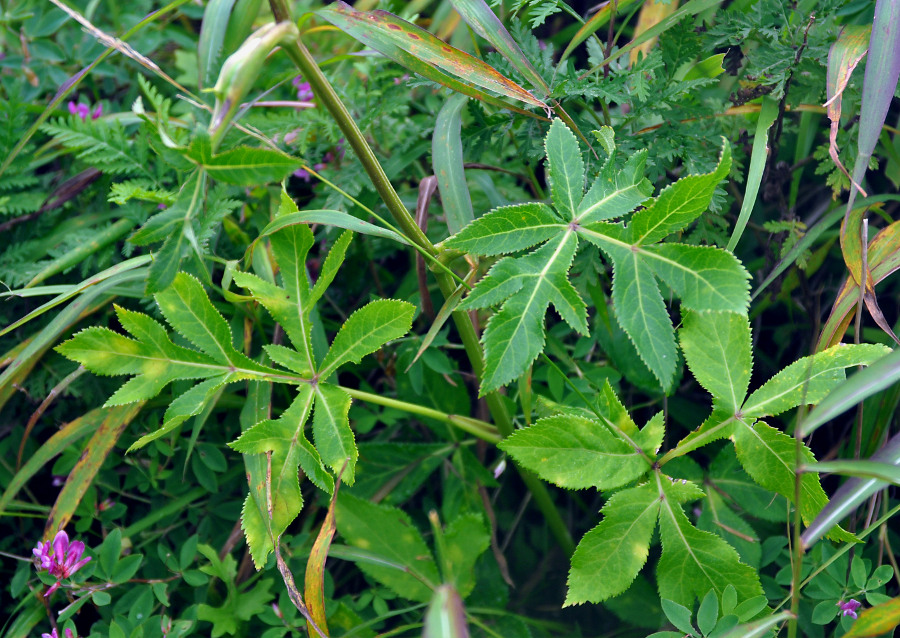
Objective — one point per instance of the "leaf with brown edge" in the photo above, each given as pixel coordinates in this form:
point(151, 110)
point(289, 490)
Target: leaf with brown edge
point(847, 51)
point(314, 580)
point(883, 260)
point(82, 475)
point(427, 55)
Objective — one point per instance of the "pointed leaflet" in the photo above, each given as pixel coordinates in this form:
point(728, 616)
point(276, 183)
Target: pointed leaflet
point(716, 347)
point(565, 168)
point(255, 520)
point(331, 429)
point(694, 561)
point(515, 336)
point(388, 533)
point(810, 379)
point(189, 311)
point(508, 229)
point(680, 203)
point(642, 314)
point(615, 193)
point(704, 277)
point(291, 451)
point(610, 556)
point(768, 456)
point(575, 453)
point(289, 305)
point(367, 330)
point(246, 166)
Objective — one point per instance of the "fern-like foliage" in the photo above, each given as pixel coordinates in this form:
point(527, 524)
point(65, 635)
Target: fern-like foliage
point(101, 143)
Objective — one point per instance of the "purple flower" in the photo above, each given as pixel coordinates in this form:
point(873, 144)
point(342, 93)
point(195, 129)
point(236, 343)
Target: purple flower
point(849, 608)
point(68, 633)
point(82, 110)
point(302, 174)
point(304, 90)
point(60, 558)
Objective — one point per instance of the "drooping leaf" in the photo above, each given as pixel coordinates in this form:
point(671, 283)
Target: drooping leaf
point(610, 556)
point(768, 456)
point(693, 561)
point(286, 440)
point(575, 453)
point(388, 533)
point(465, 539)
point(717, 349)
point(447, 157)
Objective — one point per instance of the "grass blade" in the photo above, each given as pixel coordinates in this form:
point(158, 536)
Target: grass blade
point(447, 157)
point(758, 158)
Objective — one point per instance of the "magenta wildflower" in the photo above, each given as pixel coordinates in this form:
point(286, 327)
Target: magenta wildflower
point(60, 558)
point(83, 111)
point(304, 90)
point(68, 634)
point(302, 174)
point(849, 608)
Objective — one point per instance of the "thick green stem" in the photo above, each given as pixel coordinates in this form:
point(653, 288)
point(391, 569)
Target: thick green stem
point(327, 97)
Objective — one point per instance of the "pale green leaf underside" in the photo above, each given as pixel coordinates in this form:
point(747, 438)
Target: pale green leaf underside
point(610, 556)
point(508, 229)
point(389, 533)
point(367, 330)
point(717, 349)
point(575, 453)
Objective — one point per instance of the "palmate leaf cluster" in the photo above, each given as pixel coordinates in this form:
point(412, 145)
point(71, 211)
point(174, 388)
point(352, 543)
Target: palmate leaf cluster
point(211, 361)
point(703, 277)
point(608, 452)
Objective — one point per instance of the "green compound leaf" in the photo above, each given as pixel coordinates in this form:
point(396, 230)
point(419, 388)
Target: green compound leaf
point(515, 336)
point(246, 166)
point(717, 349)
point(610, 556)
point(565, 168)
point(575, 453)
point(331, 429)
point(508, 229)
point(155, 361)
point(642, 314)
point(291, 451)
point(387, 533)
point(693, 561)
point(367, 330)
point(705, 278)
point(679, 204)
point(768, 456)
point(810, 379)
